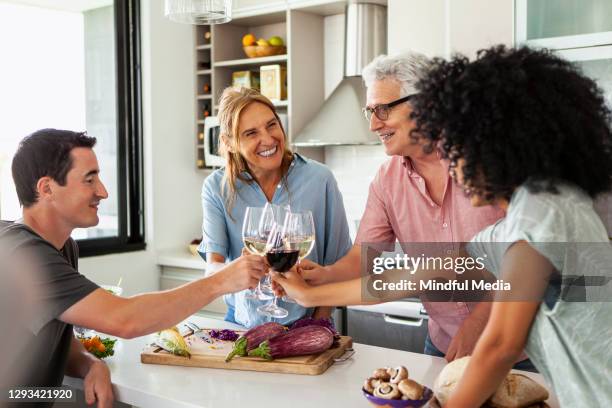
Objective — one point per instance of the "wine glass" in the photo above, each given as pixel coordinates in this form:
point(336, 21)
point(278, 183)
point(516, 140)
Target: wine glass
point(301, 235)
point(258, 222)
point(282, 257)
point(279, 213)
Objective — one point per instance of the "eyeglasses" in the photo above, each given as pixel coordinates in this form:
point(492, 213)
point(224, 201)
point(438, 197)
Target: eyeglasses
point(382, 111)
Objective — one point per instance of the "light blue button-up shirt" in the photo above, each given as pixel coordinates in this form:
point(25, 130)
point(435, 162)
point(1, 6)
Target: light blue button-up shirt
point(313, 187)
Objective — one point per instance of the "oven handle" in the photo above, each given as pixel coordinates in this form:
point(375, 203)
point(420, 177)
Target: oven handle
point(404, 321)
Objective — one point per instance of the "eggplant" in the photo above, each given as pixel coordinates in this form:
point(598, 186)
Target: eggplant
point(296, 342)
point(253, 338)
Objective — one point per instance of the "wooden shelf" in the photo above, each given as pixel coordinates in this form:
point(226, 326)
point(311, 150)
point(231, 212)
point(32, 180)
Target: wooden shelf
point(251, 61)
point(301, 27)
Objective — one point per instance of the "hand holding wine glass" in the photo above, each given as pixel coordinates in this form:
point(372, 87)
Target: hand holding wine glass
point(281, 255)
point(301, 235)
point(258, 222)
point(243, 273)
point(294, 286)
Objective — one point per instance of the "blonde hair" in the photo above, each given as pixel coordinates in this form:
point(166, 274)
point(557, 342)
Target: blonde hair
point(231, 104)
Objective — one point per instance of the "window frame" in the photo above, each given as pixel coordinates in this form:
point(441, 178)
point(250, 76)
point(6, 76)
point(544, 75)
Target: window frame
point(130, 194)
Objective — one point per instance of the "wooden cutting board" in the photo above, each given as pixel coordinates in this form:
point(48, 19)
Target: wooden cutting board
point(212, 355)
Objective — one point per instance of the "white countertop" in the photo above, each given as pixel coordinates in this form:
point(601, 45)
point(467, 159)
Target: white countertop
point(180, 258)
point(148, 385)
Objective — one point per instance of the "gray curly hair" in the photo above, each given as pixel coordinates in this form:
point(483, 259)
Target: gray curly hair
point(406, 68)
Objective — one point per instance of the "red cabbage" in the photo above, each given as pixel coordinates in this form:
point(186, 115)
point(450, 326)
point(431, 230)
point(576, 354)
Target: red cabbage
point(224, 334)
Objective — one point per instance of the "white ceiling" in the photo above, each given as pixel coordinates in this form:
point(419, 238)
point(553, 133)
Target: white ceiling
point(66, 5)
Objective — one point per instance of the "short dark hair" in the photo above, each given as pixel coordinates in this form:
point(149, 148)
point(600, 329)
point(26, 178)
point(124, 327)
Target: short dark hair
point(45, 153)
point(516, 116)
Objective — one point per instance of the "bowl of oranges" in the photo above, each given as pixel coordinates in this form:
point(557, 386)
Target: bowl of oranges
point(254, 47)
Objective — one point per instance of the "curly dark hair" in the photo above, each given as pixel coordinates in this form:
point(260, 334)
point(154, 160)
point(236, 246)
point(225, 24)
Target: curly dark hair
point(516, 116)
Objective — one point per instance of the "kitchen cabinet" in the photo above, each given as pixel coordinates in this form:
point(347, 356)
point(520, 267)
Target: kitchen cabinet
point(179, 267)
point(301, 25)
point(302, 33)
point(400, 325)
point(564, 24)
point(241, 7)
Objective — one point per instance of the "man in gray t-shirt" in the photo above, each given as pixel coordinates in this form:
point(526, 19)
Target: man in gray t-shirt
point(56, 175)
point(55, 278)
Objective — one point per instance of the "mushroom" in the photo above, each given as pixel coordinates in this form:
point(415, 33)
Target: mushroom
point(410, 389)
point(381, 374)
point(397, 374)
point(387, 391)
point(370, 384)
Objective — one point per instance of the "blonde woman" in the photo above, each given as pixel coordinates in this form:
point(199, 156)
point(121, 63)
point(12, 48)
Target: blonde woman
point(261, 168)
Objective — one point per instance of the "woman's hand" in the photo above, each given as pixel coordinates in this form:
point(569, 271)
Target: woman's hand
point(245, 272)
point(293, 285)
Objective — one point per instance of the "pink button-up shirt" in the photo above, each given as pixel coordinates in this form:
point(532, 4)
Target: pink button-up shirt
point(400, 208)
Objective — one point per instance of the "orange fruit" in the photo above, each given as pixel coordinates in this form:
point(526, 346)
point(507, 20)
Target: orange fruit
point(249, 39)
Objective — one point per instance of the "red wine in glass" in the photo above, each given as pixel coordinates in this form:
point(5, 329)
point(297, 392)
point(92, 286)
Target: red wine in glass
point(281, 260)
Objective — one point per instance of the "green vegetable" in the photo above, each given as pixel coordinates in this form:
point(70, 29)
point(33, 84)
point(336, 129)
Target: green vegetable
point(171, 341)
point(100, 348)
point(109, 345)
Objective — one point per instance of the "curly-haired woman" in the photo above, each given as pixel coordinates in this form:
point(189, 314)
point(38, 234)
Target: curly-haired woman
point(526, 130)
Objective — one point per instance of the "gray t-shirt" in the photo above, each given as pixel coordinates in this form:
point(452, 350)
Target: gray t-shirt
point(570, 340)
point(56, 285)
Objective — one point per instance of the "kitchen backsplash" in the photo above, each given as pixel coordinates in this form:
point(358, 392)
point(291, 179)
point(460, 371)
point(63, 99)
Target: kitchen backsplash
point(354, 168)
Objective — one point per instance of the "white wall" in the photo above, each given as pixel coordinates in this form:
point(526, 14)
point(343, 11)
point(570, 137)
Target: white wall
point(353, 166)
point(442, 27)
point(172, 183)
point(416, 25)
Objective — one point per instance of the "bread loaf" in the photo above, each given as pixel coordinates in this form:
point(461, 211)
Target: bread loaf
point(516, 391)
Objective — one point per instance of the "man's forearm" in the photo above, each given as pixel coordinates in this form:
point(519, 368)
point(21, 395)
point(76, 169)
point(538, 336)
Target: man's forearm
point(481, 312)
point(352, 292)
point(166, 308)
point(348, 267)
point(322, 312)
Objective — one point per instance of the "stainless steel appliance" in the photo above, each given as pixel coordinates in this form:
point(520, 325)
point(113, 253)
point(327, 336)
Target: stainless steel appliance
point(398, 325)
point(366, 38)
point(212, 138)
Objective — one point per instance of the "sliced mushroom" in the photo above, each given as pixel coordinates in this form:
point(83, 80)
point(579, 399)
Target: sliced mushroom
point(381, 374)
point(410, 389)
point(397, 374)
point(387, 391)
point(370, 384)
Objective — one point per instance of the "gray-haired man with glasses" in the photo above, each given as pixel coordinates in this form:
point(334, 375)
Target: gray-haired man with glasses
point(382, 110)
point(412, 199)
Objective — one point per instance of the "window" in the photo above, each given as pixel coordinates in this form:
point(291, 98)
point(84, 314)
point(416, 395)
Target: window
point(77, 66)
